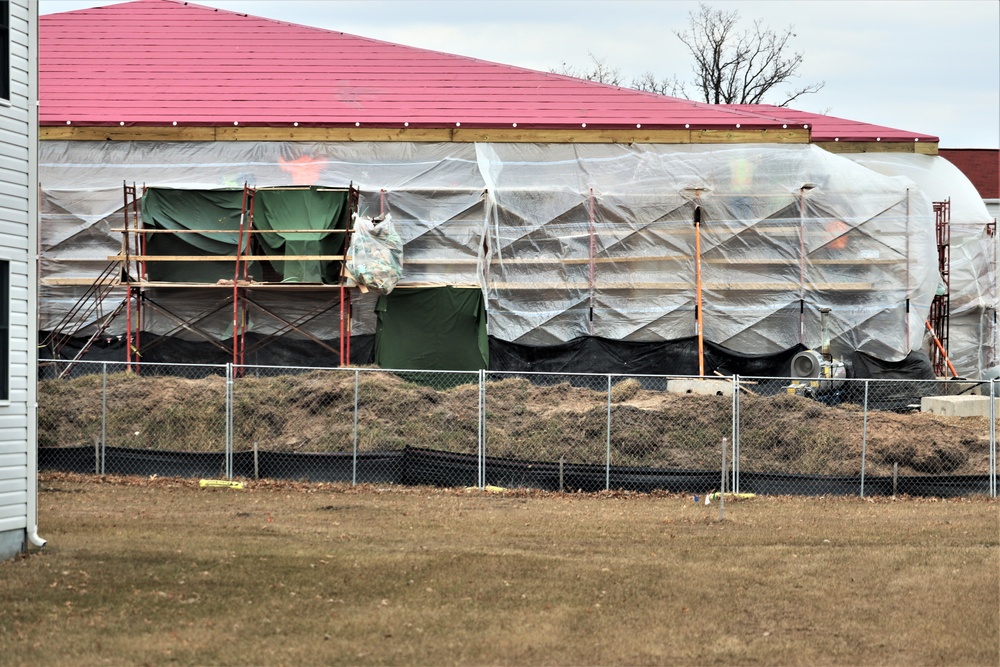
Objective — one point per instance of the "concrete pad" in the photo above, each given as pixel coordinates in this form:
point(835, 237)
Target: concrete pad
point(700, 387)
point(956, 406)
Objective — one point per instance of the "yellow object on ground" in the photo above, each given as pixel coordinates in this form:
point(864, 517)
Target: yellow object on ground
point(732, 496)
point(488, 489)
point(219, 484)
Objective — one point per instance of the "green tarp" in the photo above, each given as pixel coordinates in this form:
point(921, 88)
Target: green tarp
point(297, 209)
point(275, 210)
point(183, 210)
point(432, 328)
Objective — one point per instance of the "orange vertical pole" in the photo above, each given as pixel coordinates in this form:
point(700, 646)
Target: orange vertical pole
point(941, 349)
point(698, 300)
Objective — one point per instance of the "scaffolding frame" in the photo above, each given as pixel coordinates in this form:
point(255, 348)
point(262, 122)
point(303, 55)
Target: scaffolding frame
point(132, 264)
point(939, 318)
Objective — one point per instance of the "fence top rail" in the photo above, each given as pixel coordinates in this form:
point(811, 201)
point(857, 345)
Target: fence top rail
point(353, 369)
point(760, 378)
point(614, 375)
point(140, 364)
point(490, 373)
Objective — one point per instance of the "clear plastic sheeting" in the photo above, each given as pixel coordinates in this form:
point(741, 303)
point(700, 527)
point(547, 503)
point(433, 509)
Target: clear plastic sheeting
point(571, 240)
point(600, 240)
point(974, 287)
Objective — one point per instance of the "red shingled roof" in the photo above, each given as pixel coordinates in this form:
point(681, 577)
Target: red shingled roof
point(831, 128)
point(156, 62)
point(167, 62)
point(980, 165)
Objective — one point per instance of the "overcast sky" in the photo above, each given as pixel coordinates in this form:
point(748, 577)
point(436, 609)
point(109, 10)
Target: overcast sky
point(918, 65)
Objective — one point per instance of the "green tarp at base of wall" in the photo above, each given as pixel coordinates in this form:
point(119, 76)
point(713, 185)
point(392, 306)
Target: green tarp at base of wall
point(432, 328)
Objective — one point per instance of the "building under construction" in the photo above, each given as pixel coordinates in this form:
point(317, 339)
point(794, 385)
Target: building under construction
point(198, 204)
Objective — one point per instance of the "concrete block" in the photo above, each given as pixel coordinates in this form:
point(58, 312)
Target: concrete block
point(956, 406)
point(700, 387)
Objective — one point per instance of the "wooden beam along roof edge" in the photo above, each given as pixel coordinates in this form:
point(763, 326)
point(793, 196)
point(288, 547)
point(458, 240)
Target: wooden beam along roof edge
point(420, 134)
point(469, 135)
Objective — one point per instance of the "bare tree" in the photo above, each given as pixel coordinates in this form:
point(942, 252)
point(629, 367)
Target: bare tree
point(733, 66)
point(672, 87)
point(598, 71)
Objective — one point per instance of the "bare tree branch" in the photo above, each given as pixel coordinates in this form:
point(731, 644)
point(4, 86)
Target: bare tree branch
point(598, 71)
point(733, 66)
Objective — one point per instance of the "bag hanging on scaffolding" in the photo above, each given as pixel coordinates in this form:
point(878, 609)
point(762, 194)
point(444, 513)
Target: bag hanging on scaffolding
point(375, 255)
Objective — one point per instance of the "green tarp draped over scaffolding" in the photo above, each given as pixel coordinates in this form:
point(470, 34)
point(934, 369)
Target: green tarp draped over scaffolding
point(320, 209)
point(432, 328)
point(208, 222)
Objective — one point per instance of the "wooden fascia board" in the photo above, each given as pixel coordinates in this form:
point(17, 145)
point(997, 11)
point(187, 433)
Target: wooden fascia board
point(458, 135)
point(920, 147)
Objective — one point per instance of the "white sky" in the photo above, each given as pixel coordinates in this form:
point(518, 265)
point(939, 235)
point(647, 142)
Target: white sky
point(919, 65)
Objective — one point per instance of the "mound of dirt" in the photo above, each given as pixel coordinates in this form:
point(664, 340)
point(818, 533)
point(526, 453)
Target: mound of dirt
point(315, 412)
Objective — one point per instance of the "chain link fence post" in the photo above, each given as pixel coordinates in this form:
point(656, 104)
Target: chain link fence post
point(735, 433)
point(993, 438)
point(229, 421)
point(722, 482)
point(481, 431)
point(104, 414)
point(864, 438)
point(607, 457)
point(354, 455)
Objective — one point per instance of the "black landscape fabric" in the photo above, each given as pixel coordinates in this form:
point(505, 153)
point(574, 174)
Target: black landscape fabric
point(591, 354)
point(426, 467)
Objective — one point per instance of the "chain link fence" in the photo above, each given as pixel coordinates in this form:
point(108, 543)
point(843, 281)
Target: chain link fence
point(551, 431)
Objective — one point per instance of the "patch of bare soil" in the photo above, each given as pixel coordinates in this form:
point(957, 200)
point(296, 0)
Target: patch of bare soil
point(314, 412)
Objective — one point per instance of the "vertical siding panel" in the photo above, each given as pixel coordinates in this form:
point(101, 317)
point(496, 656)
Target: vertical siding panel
point(18, 231)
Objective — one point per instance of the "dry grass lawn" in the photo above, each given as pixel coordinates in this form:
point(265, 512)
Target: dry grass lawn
point(161, 572)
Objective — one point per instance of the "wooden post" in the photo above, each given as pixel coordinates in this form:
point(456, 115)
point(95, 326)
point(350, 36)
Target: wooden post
point(698, 305)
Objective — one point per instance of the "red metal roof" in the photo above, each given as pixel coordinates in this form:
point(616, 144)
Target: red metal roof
point(159, 62)
point(980, 165)
point(165, 62)
point(831, 128)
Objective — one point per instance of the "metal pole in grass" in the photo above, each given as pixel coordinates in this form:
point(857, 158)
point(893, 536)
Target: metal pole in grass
point(735, 432)
point(229, 420)
point(722, 484)
point(864, 440)
point(354, 456)
point(607, 456)
point(104, 414)
point(481, 431)
point(993, 438)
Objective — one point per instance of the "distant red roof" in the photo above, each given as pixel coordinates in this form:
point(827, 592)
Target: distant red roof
point(157, 62)
point(831, 128)
point(980, 165)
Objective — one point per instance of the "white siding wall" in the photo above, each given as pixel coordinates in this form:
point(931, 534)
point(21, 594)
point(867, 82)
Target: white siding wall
point(18, 220)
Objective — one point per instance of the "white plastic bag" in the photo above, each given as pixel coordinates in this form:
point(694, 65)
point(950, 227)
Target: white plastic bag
point(375, 255)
